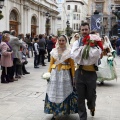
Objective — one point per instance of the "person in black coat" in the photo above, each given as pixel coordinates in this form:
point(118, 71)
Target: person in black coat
point(49, 46)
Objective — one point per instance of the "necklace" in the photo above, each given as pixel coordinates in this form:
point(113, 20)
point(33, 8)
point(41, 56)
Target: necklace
point(62, 49)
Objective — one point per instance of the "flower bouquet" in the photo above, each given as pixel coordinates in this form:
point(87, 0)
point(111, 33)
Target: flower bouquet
point(110, 60)
point(46, 76)
point(90, 41)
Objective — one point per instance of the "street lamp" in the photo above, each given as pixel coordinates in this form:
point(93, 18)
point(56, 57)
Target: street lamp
point(68, 23)
point(47, 22)
point(1, 4)
point(68, 29)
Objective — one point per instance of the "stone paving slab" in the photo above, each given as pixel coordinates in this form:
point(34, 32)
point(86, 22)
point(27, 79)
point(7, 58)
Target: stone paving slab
point(24, 99)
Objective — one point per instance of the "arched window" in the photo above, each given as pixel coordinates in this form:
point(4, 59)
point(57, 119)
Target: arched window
point(13, 16)
point(68, 7)
point(33, 26)
point(33, 21)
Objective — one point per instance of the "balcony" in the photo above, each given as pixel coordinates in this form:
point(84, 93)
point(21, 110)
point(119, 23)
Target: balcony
point(99, 1)
point(117, 1)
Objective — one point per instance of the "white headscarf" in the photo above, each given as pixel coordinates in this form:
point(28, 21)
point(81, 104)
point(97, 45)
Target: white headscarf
point(73, 38)
point(67, 42)
point(107, 43)
point(65, 54)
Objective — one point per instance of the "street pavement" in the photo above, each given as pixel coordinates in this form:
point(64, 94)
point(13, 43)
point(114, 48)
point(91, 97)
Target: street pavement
point(24, 99)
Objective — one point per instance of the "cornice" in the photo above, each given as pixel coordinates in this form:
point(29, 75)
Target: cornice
point(78, 1)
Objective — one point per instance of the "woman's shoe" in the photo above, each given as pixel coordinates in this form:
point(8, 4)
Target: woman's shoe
point(27, 72)
point(3, 80)
point(43, 65)
point(17, 76)
point(53, 118)
point(92, 112)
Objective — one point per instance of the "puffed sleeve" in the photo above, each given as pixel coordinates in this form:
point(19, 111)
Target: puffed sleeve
point(72, 67)
point(51, 63)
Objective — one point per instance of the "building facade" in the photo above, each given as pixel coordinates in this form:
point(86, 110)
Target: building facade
point(30, 16)
point(74, 11)
point(104, 7)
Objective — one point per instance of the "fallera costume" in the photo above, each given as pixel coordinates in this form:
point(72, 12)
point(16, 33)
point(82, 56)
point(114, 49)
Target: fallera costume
point(60, 97)
point(107, 63)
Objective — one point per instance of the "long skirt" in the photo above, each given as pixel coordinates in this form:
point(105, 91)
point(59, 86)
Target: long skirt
point(61, 98)
point(106, 70)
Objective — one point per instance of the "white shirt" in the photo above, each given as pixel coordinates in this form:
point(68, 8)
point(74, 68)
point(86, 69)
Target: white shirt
point(36, 48)
point(74, 46)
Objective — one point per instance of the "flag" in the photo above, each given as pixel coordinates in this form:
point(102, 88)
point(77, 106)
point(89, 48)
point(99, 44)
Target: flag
point(96, 23)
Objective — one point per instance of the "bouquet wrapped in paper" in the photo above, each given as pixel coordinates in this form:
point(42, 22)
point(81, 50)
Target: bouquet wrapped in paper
point(46, 76)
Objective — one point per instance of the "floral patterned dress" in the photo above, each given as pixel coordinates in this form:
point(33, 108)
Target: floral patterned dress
point(61, 98)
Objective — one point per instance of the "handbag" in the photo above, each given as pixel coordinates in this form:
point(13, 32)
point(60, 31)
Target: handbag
point(18, 62)
point(26, 62)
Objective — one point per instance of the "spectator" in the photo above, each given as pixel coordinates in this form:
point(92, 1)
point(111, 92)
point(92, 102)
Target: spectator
point(15, 44)
point(36, 52)
point(6, 59)
point(49, 47)
point(118, 46)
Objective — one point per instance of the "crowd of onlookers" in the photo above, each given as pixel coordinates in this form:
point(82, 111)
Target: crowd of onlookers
point(14, 51)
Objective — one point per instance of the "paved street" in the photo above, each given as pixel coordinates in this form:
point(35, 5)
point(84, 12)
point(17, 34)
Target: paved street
point(24, 99)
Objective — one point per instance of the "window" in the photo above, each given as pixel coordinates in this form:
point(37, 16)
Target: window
point(74, 16)
point(77, 27)
point(59, 18)
point(77, 17)
point(74, 26)
point(99, 7)
point(75, 8)
point(13, 15)
point(33, 21)
point(68, 7)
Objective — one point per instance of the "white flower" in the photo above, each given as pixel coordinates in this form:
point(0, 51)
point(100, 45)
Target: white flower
point(110, 58)
point(46, 75)
point(95, 37)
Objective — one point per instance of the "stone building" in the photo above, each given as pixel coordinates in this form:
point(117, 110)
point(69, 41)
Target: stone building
point(72, 12)
point(109, 21)
point(30, 16)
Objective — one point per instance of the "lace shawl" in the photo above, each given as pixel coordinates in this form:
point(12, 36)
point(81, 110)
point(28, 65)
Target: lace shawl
point(65, 55)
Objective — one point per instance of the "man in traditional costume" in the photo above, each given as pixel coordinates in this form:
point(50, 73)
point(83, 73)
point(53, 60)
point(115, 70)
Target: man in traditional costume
point(86, 55)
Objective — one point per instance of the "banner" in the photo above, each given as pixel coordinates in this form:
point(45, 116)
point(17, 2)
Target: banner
point(96, 23)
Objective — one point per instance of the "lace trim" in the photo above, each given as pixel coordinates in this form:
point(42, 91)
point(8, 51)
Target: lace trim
point(65, 55)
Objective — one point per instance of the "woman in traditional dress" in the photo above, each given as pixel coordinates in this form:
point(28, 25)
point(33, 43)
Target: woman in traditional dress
point(106, 70)
point(75, 37)
point(60, 97)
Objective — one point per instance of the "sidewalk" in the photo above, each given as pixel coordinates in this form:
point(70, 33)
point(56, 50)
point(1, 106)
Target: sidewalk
point(24, 99)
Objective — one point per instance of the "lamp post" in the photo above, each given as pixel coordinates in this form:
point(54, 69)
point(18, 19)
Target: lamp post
point(1, 6)
point(47, 22)
point(68, 29)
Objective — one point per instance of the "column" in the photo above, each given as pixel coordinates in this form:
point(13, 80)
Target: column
point(55, 26)
point(22, 13)
point(51, 25)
